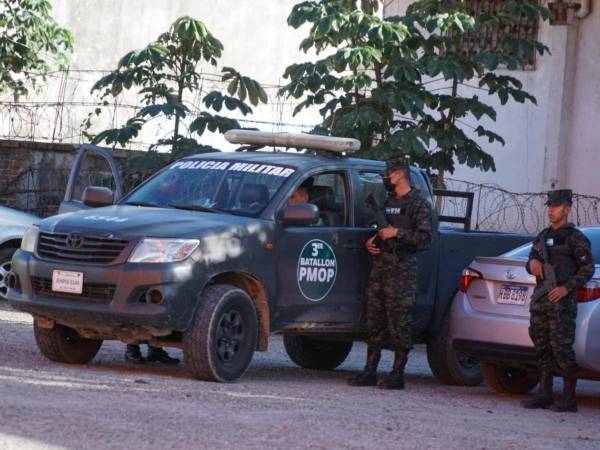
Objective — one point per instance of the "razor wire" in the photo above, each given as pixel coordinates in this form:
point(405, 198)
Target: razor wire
point(61, 103)
point(498, 209)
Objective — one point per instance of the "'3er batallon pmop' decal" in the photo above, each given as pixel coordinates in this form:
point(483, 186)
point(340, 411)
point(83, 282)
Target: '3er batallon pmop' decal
point(317, 270)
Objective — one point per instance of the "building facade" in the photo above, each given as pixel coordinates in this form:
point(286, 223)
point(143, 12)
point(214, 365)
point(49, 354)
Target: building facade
point(552, 144)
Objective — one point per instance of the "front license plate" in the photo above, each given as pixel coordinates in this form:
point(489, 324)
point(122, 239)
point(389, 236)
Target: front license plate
point(513, 295)
point(65, 281)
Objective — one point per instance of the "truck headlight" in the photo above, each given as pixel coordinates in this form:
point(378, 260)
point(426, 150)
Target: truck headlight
point(30, 239)
point(163, 250)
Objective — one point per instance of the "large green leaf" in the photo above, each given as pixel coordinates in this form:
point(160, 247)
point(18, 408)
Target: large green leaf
point(166, 75)
point(403, 84)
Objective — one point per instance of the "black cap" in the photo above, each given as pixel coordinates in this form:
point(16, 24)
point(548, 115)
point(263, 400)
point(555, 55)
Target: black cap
point(397, 164)
point(559, 197)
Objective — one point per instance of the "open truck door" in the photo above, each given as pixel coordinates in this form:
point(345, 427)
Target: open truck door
point(92, 196)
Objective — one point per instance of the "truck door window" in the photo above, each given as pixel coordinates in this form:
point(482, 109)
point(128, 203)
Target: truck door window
point(329, 192)
point(95, 171)
point(371, 183)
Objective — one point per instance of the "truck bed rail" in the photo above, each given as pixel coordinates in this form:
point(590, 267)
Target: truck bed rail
point(469, 196)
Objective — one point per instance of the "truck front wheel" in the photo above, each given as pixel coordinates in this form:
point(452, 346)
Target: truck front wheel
point(221, 341)
point(63, 344)
point(507, 380)
point(314, 353)
point(448, 365)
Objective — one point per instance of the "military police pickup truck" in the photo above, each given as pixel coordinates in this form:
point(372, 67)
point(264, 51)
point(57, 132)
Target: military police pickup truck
point(208, 256)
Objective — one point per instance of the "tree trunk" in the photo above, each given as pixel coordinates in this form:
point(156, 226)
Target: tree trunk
point(176, 131)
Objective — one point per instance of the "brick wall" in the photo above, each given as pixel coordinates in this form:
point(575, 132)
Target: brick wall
point(34, 175)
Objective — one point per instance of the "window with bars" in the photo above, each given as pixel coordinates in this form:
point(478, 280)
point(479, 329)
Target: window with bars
point(490, 38)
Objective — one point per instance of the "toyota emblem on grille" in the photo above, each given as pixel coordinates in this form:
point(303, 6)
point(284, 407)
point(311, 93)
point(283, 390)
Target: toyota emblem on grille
point(74, 240)
point(510, 275)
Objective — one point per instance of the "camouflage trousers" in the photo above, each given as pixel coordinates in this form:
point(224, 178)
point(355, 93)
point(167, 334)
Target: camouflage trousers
point(552, 330)
point(390, 299)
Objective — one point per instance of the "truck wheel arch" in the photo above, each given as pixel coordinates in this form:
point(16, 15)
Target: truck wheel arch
point(257, 293)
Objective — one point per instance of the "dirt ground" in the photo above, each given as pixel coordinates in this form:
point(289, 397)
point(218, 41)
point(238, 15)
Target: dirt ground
point(113, 404)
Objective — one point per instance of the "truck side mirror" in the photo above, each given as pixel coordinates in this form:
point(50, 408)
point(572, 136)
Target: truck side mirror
point(96, 196)
point(300, 215)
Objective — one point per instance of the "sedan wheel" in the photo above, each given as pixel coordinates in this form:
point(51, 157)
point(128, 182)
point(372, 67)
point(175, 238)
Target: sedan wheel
point(6, 255)
point(509, 380)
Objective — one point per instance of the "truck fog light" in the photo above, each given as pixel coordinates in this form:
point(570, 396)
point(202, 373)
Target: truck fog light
point(154, 296)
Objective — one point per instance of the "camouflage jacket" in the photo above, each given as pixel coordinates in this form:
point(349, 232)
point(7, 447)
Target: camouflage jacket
point(417, 232)
point(570, 253)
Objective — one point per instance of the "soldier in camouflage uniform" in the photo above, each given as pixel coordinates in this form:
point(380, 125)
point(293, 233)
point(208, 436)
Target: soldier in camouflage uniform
point(391, 289)
point(552, 320)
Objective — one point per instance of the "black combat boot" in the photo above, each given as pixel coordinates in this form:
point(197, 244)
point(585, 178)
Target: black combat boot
point(567, 403)
point(157, 354)
point(368, 377)
point(544, 398)
point(133, 354)
point(395, 380)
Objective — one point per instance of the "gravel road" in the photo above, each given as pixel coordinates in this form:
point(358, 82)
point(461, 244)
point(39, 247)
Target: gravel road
point(113, 404)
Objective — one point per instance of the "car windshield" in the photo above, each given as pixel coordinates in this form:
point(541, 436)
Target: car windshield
point(236, 187)
point(593, 234)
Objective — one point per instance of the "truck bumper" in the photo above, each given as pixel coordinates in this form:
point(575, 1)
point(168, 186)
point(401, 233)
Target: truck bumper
point(505, 338)
point(114, 301)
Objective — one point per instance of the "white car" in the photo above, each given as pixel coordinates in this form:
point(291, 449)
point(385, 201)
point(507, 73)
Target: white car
point(489, 319)
point(13, 224)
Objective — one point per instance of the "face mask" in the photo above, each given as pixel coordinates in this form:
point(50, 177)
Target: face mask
point(387, 182)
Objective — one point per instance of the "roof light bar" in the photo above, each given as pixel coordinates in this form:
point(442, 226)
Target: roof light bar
point(299, 140)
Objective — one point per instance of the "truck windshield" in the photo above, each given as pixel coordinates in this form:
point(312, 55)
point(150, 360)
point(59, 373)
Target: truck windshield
point(237, 187)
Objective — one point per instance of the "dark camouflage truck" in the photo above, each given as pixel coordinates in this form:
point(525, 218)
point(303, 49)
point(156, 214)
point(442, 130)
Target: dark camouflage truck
point(207, 256)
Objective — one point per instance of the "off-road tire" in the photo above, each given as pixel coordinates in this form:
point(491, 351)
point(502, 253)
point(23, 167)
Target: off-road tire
point(63, 344)
point(6, 255)
point(448, 365)
point(314, 353)
point(507, 380)
point(220, 343)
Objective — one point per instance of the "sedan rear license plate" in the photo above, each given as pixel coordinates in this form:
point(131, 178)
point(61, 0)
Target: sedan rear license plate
point(513, 295)
point(68, 282)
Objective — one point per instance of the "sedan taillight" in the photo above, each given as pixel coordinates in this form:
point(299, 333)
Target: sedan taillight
point(467, 277)
point(589, 292)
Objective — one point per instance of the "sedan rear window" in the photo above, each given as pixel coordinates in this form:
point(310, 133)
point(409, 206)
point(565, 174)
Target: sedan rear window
point(592, 234)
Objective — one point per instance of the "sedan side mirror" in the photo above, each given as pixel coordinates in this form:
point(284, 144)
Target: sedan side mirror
point(96, 196)
point(300, 215)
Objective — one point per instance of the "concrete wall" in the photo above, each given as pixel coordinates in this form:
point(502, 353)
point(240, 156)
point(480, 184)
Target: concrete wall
point(553, 144)
point(257, 40)
point(581, 155)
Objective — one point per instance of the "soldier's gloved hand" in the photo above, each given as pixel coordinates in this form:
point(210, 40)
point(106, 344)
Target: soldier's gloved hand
point(371, 247)
point(387, 233)
point(557, 294)
point(536, 268)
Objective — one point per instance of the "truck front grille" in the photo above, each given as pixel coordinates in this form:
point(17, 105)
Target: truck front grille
point(92, 292)
point(67, 247)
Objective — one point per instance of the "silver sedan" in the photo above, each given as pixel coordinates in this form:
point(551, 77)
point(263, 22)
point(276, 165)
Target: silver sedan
point(13, 224)
point(490, 319)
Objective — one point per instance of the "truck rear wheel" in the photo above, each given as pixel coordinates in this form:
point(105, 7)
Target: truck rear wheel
point(448, 365)
point(314, 353)
point(221, 341)
point(508, 380)
point(63, 344)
